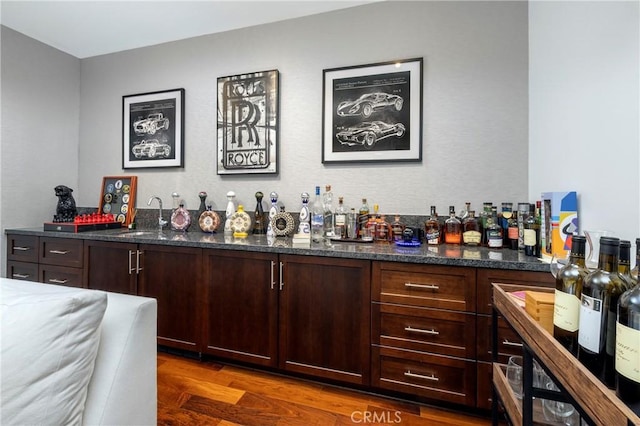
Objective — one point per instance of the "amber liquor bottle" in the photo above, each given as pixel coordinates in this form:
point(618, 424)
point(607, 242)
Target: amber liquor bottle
point(432, 228)
point(452, 228)
point(471, 235)
point(397, 229)
point(566, 309)
point(598, 309)
point(627, 360)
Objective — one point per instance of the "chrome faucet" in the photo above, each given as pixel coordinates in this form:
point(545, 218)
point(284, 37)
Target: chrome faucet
point(161, 222)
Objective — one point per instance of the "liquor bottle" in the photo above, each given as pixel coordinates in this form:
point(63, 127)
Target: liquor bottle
point(569, 282)
point(627, 360)
point(465, 212)
point(634, 271)
point(363, 216)
point(523, 213)
point(624, 263)
point(373, 220)
point(317, 218)
point(507, 214)
point(471, 235)
point(273, 210)
point(305, 215)
point(383, 230)
point(452, 228)
point(259, 223)
point(432, 228)
point(340, 219)
point(597, 325)
point(531, 232)
point(493, 231)
point(482, 218)
point(513, 231)
point(327, 205)
point(397, 229)
point(230, 210)
point(538, 215)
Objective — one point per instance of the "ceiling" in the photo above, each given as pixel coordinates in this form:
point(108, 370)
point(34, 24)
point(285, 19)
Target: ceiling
point(89, 28)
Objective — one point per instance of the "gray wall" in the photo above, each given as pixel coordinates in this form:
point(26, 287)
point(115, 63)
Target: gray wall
point(40, 126)
point(584, 90)
point(475, 105)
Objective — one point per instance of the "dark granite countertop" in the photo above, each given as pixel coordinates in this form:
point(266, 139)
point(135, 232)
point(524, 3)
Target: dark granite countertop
point(446, 254)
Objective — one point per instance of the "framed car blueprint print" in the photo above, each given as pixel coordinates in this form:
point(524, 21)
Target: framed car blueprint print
point(373, 112)
point(248, 110)
point(153, 129)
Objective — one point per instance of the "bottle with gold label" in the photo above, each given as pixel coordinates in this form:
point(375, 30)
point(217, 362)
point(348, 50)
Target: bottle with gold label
point(566, 309)
point(471, 235)
point(627, 359)
point(240, 223)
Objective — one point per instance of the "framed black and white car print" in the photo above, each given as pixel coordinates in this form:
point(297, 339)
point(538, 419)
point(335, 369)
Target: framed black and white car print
point(373, 112)
point(248, 123)
point(153, 129)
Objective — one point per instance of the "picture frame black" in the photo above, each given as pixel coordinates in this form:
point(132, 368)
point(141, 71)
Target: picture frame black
point(248, 115)
point(373, 112)
point(153, 129)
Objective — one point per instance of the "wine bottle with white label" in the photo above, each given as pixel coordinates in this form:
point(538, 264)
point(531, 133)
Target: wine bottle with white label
point(628, 345)
point(566, 309)
point(598, 311)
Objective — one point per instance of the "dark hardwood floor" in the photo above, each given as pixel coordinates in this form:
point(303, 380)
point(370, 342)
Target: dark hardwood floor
point(192, 392)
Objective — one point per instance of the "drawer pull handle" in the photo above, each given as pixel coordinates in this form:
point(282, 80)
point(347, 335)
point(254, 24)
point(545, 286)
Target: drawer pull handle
point(57, 281)
point(420, 330)
point(421, 376)
point(18, 248)
point(509, 343)
point(422, 286)
point(20, 276)
point(62, 252)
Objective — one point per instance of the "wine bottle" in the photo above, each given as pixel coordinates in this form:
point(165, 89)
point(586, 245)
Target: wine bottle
point(566, 309)
point(624, 263)
point(628, 345)
point(598, 309)
point(531, 232)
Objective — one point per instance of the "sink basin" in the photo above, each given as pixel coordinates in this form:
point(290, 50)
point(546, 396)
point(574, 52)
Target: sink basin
point(138, 233)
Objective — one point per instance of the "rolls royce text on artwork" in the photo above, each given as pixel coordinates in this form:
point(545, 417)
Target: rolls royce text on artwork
point(248, 123)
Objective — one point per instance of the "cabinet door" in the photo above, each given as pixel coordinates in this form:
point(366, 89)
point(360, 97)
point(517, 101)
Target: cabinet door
point(173, 276)
point(241, 317)
point(110, 266)
point(325, 317)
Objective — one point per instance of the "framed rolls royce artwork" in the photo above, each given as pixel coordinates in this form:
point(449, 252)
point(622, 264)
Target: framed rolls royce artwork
point(248, 123)
point(373, 113)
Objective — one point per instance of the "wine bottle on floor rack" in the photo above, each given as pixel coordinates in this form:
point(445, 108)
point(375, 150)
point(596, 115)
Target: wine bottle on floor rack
point(628, 345)
point(598, 310)
point(566, 310)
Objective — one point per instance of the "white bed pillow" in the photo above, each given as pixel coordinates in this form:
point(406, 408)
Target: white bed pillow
point(49, 341)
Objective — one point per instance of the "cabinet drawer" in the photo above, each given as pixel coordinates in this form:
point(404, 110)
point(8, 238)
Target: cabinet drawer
point(424, 329)
point(424, 285)
point(432, 376)
point(61, 275)
point(61, 251)
point(509, 342)
point(22, 248)
point(22, 271)
point(525, 278)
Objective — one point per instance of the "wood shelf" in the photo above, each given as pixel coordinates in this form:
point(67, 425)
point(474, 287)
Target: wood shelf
point(596, 400)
